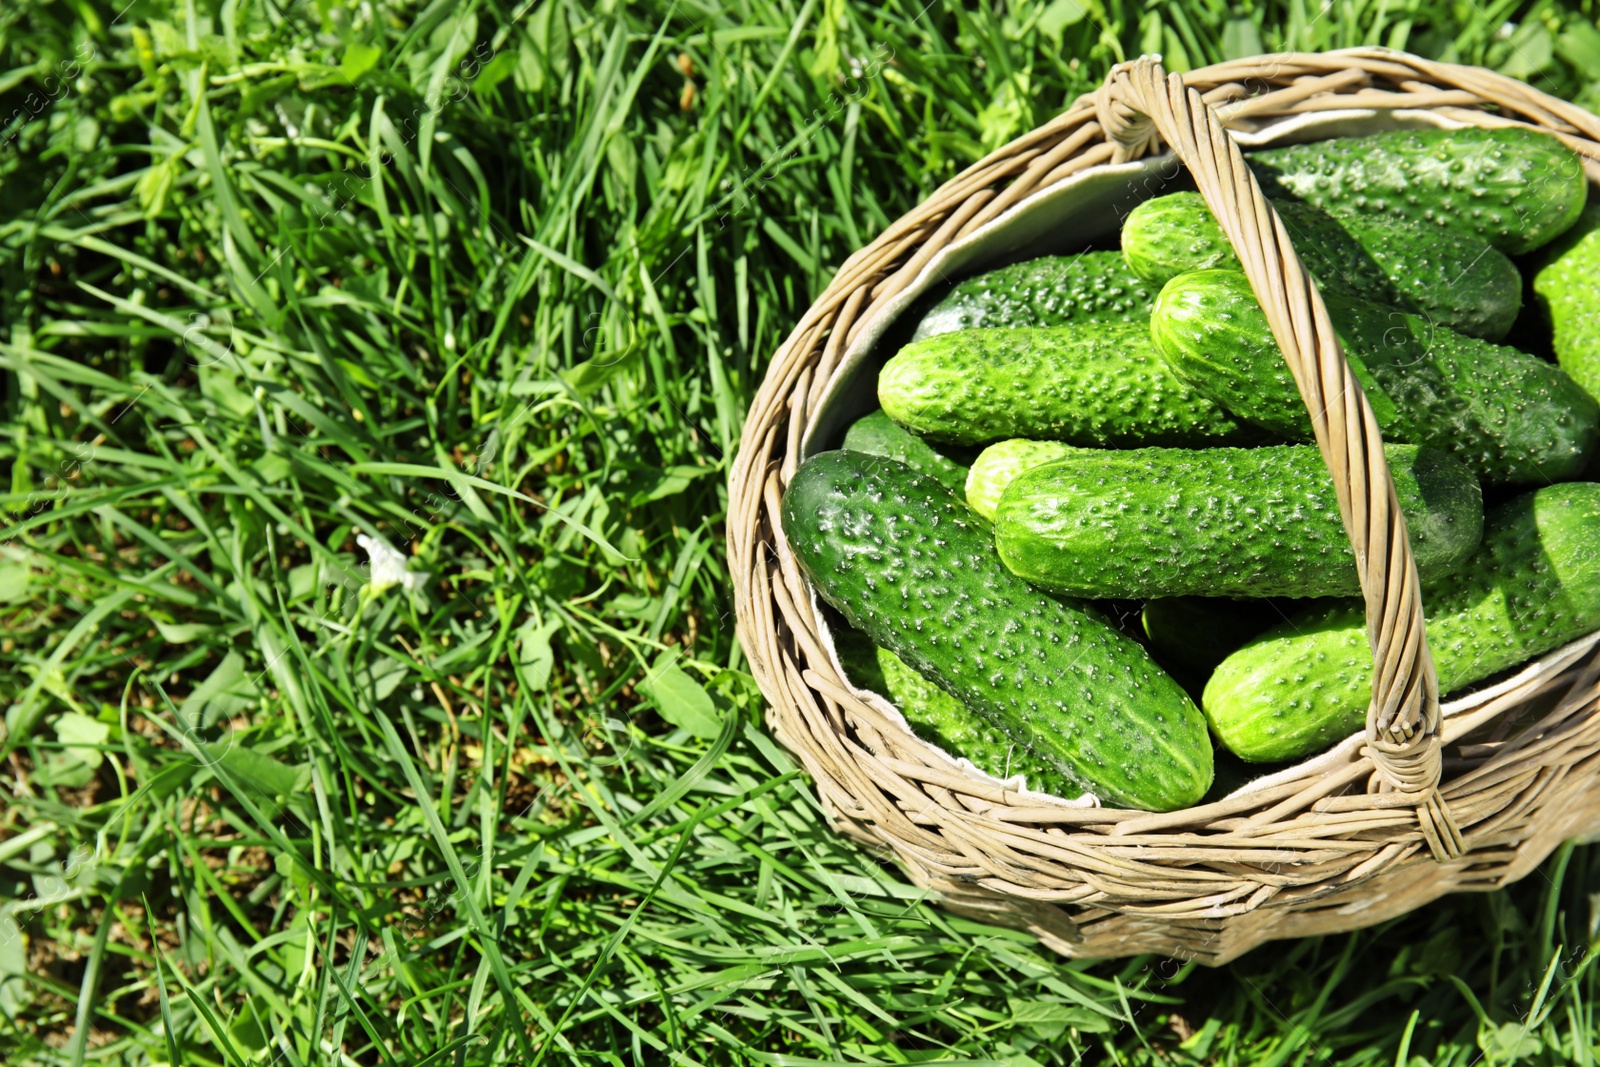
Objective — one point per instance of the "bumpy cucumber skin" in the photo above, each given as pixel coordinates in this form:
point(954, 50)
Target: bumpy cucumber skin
point(1245, 522)
point(1567, 286)
point(908, 564)
point(1049, 291)
point(879, 435)
point(1454, 279)
point(1095, 385)
point(939, 718)
point(1210, 331)
point(943, 720)
point(998, 466)
point(1172, 235)
point(1515, 188)
point(1533, 586)
point(1511, 417)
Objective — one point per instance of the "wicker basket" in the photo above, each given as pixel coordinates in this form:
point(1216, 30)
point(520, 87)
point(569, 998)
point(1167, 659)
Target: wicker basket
point(1424, 802)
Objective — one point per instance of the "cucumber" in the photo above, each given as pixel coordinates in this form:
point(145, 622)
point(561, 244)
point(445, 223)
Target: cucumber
point(1198, 632)
point(1049, 291)
point(912, 567)
point(1455, 279)
point(859, 658)
point(1533, 586)
point(879, 435)
point(1090, 384)
point(1567, 288)
point(1243, 522)
point(999, 464)
point(939, 718)
point(1509, 416)
point(1515, 188)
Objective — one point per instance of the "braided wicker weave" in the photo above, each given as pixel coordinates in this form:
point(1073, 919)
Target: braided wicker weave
point(1387, 820)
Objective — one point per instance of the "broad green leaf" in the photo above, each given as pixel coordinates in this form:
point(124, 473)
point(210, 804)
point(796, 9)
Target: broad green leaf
point(673, 481)
point(534, 653)
point(1528, 52)
point(78, 732)
point(825, 61)
point(15, 578)
point(246, 1029)
point(382, 675)
point(358, 59)
point(1049, 1019)
point(272, 468)
point(551, 37)
point(256, 771)
point(634, 605)
point(1579, 44)
point(226, 691)
point(1008, 114)
point(63, 770)
point(1511, 1042)
point(1151, 33)
point(1061, 14)
point(497, 70)
point(15, 993)
point(530, 68)
point(222, 387)
point(1173, 55)
point(182, 633)
point(1240, 39)
point(680, 699)
point(591, 374)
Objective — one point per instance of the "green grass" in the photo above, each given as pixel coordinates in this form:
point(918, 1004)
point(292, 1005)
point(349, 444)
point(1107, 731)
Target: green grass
point(486, 281)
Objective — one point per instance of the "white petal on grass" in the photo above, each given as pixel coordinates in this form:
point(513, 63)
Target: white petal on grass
point(389, 566)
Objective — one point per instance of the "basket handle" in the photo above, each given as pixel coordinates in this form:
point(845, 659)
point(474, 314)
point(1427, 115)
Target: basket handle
point(1141, 106)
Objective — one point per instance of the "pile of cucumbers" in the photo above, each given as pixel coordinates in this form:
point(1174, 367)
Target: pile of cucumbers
point(1086, 539)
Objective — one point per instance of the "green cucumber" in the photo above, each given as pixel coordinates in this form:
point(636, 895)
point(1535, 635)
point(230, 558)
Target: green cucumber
point(912, 567)
point(1516, 188)
point(879, 435)
point(1199, 632)
point(1455, 279)
point(1509, 416)
point(1243, 522)
point(1090, 384)
point(1533, 586)
point(939, 718)
point(1049, 291)
point(999, 464)
point(859, 658)
point(1567, 288)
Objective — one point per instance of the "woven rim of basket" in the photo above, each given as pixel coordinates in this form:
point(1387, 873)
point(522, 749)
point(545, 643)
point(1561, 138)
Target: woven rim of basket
point(884, 785)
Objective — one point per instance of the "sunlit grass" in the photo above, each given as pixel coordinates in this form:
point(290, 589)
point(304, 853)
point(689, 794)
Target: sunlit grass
point(494, 284)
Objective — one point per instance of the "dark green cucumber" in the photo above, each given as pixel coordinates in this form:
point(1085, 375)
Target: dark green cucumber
point(1049, 291)
point(1567, 287)
point(879, 435)
point(1244, 522)
point(1509, 416)
point(1199, 632)
point(1089, 384)
point(1533, 586)
point(1455, 279)
point(912, 567)
point(939, 718)
point(1515, 188)
point(859, 658)
point(999, 464)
